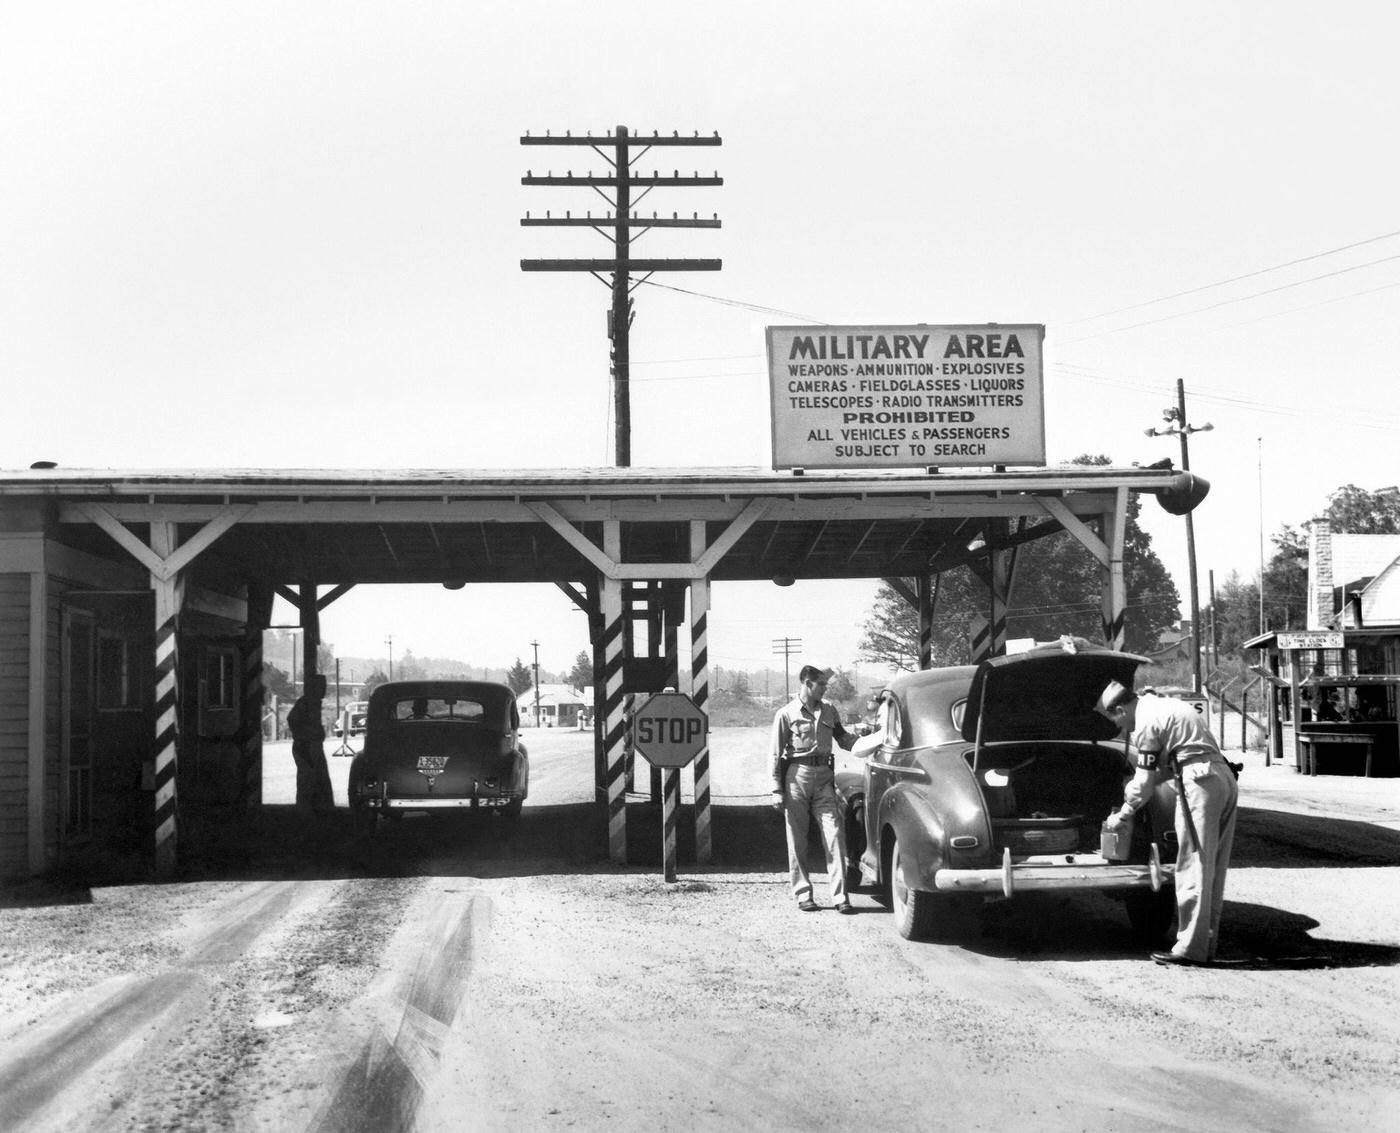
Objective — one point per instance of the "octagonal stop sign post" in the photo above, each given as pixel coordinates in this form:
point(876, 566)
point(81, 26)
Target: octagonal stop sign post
point(669, 731)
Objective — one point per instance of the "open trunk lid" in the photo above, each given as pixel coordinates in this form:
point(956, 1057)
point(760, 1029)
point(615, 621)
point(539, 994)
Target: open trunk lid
point(1045, 693)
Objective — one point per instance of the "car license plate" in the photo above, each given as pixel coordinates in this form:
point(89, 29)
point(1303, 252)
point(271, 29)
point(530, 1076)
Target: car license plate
point(432, 764)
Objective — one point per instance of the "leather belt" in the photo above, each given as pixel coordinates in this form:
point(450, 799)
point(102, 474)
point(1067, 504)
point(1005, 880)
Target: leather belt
point(810, 760)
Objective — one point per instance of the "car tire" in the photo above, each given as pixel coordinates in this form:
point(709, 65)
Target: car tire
point(511, 811)
point(914, 910)
point(1152, 915)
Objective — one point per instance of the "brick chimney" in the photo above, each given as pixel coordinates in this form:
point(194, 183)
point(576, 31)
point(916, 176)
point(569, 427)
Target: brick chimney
point(1321, 608)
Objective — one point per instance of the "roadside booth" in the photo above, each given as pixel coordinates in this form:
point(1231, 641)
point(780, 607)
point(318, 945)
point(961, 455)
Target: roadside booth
point(1333, 694)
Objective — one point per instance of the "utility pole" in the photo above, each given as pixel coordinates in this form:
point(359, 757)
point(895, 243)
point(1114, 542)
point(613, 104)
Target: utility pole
point(617, 149)
point(536, 644)
point(389, 641)
point(787, 646)
point(1175, 416)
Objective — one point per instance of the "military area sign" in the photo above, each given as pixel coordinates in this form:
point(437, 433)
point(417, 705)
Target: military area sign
point(669, 729)
point(907, 396)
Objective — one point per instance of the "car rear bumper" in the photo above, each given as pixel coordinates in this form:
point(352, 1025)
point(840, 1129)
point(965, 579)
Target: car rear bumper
point(481, 802)
point(1055, 871)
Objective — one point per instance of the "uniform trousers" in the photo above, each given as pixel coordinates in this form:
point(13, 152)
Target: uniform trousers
point(1212, 796)
point(809, 791)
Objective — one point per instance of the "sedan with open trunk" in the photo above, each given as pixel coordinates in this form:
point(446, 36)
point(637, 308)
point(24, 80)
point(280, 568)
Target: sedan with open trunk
point(993, 780)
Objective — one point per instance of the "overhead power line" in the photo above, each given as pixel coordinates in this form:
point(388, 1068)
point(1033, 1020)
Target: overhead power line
point(1237, 299)
point(1234, 279)
point(737, 303)
point(1369, 416)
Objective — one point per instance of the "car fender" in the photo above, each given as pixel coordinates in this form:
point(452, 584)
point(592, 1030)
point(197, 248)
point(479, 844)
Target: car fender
point(907, 813)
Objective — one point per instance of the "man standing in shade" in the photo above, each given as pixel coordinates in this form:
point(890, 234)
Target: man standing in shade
point(1172, 741)
point(803, 766)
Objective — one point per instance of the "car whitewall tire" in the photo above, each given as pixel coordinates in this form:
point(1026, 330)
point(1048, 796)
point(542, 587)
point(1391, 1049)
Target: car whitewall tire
point(913, 909)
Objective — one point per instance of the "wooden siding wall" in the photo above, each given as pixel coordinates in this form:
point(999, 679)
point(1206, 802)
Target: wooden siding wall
point(14, 725)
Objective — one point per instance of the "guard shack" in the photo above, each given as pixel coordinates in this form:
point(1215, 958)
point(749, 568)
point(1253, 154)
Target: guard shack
point(1332, 698)
point(132, 603)
point(1334, 687)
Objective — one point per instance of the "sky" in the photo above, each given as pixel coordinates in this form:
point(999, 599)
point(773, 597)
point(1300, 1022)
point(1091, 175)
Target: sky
point(287, 236)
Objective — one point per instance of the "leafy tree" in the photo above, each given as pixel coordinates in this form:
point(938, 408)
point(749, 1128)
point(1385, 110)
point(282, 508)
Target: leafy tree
point(739, 685)
point(1056, 591)
point(1236, 614)
point(277, 682)
point(409, 668)
point(374, 680)
point(581, 675)
point(518, 677)
point(1359, 512)
point(840, 689)
point(1286, 581)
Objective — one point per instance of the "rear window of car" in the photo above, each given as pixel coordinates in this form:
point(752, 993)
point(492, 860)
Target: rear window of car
point(435, 709)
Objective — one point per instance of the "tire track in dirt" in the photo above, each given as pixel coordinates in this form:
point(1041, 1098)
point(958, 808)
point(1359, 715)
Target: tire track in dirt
point(93, 1030)
point(384, 1086)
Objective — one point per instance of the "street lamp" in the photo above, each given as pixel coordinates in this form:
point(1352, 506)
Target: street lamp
point(1175, 417)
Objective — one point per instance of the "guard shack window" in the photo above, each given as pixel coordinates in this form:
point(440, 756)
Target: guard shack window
point(218, 691)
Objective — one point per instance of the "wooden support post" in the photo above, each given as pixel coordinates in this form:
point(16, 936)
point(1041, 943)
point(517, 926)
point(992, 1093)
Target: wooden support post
point(700, 693)
point(260, 600)
point(614, 720)
point(926, 590)
point(314, 792)
point(1114, 595)
point(169, 594)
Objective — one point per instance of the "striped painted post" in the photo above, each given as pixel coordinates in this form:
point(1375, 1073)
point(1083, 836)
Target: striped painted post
point(614, 720)
point(924, 591)
point(250, 795)
point(700, 693)
point(167, 734)
point(979, 638)
point(997, 632)
point(670, 790)
point(1114, 598)
point(629, 750)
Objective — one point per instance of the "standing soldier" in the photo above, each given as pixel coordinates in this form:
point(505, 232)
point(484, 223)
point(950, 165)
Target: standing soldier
point(803, 766)
point(308, 735)
point(1172, 739)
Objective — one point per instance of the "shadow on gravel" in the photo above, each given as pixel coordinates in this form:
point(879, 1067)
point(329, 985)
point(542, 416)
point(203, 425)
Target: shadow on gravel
point(281, 843)
point(1078, 927)
point(1284, 840)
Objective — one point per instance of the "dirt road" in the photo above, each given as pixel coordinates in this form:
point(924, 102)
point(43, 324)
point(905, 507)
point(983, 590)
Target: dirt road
point(447, 977)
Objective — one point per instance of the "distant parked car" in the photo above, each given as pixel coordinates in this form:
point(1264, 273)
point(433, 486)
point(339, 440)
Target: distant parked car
point(440, 746)
point(355, 712)
point(991, 781)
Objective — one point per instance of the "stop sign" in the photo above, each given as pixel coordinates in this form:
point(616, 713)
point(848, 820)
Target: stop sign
point(669, 729)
